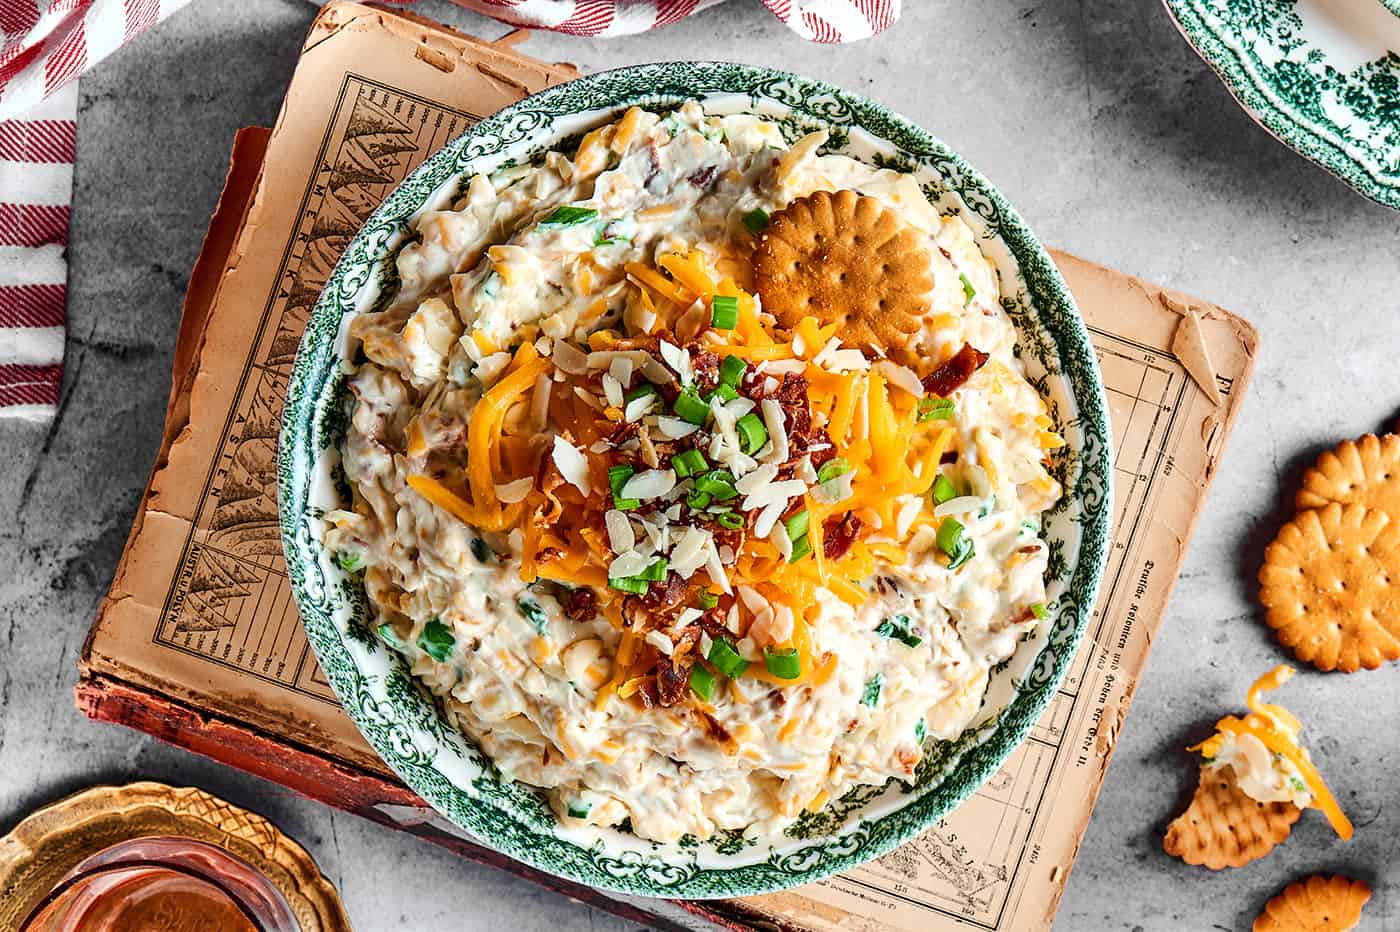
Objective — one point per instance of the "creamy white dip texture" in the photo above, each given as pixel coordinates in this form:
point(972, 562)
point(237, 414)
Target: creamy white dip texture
point(665, 560)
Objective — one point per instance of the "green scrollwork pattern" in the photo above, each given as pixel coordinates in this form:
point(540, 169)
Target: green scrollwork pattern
point(413, 731)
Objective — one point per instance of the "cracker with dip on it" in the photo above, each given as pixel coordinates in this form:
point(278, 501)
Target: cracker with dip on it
point(1256, 780)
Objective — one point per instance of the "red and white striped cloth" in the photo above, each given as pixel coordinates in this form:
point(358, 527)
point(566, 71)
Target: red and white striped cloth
point(818, 20)
point(45, 44)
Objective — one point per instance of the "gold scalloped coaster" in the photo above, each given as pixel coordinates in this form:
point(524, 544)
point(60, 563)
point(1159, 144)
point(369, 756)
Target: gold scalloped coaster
point(49, 843)
point(1318, 904)
point(1225, 827)
point(1331, 586)
point(844, 258)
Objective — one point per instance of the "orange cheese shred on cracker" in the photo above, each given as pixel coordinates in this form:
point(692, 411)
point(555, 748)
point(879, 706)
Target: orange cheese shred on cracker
point(1271, 724)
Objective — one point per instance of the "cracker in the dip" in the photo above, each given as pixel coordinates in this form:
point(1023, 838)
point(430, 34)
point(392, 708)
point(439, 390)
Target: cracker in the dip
point(1331, 587)
point(682, 558)
point(1365, 471)
point(845, 259)
point(1256, 779)
point(1223, 827)
point(1318, 904)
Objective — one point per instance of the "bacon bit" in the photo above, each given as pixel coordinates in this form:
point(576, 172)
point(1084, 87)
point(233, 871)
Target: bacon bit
point(703, 177)
point(673, 673)
point(777, 699)
point(715, 730)
point(623, 431)
point(908, 760)
point(792, 395)
point(838, 534)
point(950, 376)
point(733, 537)
point(706, 367)
point(582, 604)
point(1033, 548)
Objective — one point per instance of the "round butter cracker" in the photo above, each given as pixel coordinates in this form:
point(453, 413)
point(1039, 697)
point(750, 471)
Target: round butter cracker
point(1365, 471)
point(844, 258)
point(1330, 585)
point(1318, 904)
point(1226, 827)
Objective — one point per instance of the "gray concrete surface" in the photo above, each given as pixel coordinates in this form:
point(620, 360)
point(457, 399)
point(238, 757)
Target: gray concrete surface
point(1099, 123)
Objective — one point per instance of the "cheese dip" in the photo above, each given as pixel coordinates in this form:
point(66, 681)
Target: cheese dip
point(660, 557)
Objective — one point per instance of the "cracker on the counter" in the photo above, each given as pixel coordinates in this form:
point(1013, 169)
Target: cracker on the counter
point(843, 258)
point(1318, 904)
point(1331, 587)
point(1225, 827)
point(1365, 471)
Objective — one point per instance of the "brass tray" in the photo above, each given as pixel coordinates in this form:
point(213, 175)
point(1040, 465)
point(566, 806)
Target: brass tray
point(49, 843)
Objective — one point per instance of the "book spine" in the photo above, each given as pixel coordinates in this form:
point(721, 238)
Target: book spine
point(335, 783)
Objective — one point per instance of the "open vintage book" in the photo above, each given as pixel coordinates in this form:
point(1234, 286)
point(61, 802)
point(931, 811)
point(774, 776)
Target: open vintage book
point(199, 643)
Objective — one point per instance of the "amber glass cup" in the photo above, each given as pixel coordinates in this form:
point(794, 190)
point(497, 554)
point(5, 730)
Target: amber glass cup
point(171, 884)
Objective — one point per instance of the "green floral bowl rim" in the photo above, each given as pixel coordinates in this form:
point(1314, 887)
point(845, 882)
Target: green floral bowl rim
point(1283, 74)
point(410, 731)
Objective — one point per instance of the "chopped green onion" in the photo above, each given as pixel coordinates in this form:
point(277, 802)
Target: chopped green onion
point(1298, 785)
point(707, 600)
point(724, 312)
point(726, 659)
point(436, 640)
point(641, 391)
point(688, 463)
point(567, 216)
point(656, 572)
point(351, 561)
point(633, 584)
point(1030, 526)
point(968, 291)
point(533, 613)
point(954, 542)
point(920, 731)
point(731, 370)
point(784, 664)
point(482, 552)
point(689, 407)
point(578, 809)
point(724, 392)
point(898, 628)
point(752, 434)
point(617, 478)
point(756, 220)
point(798, 524)
point(871, 696)
point(831, 469)
point(698, 500)
point(702, 682)
point(1039, 610)
point(730, 520)
point(933, 408)
point(390, 636)
point(718, 483)
point(944, 490)
point(801, 547)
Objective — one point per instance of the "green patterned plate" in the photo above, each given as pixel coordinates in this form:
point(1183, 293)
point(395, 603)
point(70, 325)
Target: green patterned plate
point(1321, 75)
point(409, 730)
